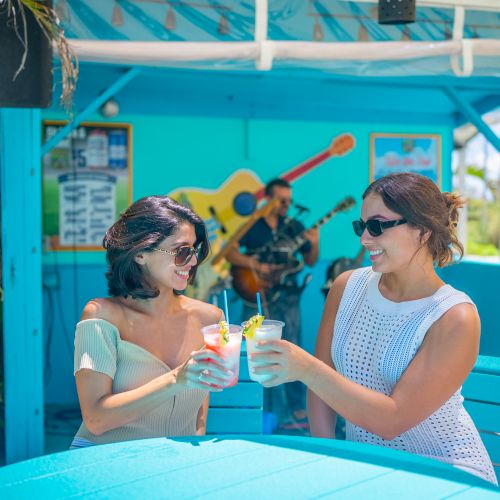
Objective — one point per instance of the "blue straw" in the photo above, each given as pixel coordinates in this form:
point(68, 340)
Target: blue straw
point(259, 307)
point(225, 307)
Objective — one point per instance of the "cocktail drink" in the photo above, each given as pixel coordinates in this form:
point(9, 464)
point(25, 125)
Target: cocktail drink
point(268, 329)
point(225, 340)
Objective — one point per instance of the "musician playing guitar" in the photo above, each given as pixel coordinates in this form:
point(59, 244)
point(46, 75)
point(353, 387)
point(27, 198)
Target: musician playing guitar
point(264, 254)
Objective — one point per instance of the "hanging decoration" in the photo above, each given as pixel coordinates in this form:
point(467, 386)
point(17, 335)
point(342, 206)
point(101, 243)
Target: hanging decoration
point(405, 34)
point(363, 34)
point(223, 28)
point(170, 19)
point(117, 17)
point(318, 34)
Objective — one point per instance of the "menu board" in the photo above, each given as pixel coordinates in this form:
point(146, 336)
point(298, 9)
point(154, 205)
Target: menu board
point(86, 184)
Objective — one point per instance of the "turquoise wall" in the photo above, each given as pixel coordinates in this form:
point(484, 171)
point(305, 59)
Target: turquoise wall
point(171, 152)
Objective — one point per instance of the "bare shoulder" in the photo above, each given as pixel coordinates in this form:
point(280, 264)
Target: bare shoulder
point(102, 308)
point(338, 286)
point(461, 320)
point(455, 336)
point(208, 314)
point(343, 278)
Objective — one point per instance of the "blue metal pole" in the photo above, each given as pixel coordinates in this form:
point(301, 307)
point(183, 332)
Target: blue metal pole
point(89, 109)
point(20, 166)
point(470, 113)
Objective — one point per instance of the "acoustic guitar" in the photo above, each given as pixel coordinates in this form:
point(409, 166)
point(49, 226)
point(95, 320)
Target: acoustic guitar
point(247, 282)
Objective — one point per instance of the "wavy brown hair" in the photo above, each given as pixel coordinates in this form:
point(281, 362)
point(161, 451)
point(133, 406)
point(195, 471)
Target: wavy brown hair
point(141, 228)
point(418, 200)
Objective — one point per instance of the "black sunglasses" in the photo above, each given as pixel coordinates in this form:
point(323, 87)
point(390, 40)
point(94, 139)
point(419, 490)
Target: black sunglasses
point(375, 227)
point(285, 201)
point(183, 254)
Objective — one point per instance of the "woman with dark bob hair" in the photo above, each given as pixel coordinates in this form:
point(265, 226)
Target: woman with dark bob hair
point(395, 342)
point(140, 367)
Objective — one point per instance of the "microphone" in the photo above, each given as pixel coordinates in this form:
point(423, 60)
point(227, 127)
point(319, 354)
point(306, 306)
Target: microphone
point(301, 208)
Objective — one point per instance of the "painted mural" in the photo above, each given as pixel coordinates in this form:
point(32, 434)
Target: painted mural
point(228, 209)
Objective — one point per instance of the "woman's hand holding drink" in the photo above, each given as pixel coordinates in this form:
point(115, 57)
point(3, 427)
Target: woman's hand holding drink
point(216, 365)
point(257, 329)
point(225, 341)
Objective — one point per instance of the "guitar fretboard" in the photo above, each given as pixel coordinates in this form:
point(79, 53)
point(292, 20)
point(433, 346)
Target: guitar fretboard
point(300, 239)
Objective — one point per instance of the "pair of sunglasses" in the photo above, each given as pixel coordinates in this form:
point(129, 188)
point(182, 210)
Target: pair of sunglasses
point(183, 254)
point(375, 227)
point(285, 201)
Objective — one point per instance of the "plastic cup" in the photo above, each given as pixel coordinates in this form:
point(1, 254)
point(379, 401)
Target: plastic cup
point(230, 352)
point(269, 330)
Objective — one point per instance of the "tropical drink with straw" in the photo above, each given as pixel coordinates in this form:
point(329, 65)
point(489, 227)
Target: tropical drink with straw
point(255, 329)
point(225, 340)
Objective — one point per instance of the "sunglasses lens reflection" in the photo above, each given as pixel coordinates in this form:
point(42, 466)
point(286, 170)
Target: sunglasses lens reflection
point(185, 254)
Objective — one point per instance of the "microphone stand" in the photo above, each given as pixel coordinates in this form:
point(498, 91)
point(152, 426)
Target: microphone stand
point(281, 232)
point(288, 222)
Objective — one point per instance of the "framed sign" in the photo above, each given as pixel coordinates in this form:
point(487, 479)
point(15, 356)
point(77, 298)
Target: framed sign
point(418, 153)
point(86, 184)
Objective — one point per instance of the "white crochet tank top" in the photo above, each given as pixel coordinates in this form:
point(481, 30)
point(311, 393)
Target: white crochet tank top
point(375, 340)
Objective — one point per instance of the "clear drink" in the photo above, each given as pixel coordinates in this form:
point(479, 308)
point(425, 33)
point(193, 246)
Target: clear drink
point(269, 330)
point(229, 352)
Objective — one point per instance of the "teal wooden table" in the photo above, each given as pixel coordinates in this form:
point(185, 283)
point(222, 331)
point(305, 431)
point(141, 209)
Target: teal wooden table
point(238, 467)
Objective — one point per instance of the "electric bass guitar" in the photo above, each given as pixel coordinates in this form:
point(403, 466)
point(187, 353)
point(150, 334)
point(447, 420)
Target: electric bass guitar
point(281, 257)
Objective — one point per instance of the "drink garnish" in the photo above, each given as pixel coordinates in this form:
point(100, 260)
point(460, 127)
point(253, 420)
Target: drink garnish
point(251, 325)
point(224, 333)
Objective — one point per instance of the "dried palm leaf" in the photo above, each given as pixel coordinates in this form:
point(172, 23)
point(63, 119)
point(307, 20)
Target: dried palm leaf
point(50, 24)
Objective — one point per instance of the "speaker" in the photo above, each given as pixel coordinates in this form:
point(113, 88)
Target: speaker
point(396, 11)
point(33, 86)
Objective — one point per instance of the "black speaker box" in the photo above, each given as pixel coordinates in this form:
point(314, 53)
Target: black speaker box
point(396, 11)
point(33, 86)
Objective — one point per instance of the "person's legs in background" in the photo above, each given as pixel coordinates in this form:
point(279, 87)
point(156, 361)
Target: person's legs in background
point(247, 312)
point(289, 401)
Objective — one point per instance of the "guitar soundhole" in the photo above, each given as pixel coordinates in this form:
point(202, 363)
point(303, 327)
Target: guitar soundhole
point(244, 203)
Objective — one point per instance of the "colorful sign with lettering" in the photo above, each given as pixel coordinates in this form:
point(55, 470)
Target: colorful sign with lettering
point(418, 153)
point(86, 183)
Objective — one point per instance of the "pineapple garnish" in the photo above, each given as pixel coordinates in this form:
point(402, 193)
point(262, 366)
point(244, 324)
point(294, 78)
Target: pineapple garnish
point(251, 325)
point(224, 333)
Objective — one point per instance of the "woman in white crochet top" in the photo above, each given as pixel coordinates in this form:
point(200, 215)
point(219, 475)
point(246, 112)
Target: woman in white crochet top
point(395, 342)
